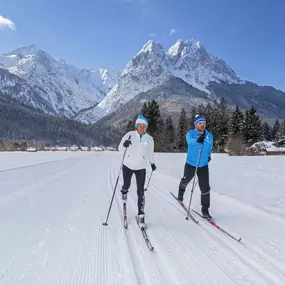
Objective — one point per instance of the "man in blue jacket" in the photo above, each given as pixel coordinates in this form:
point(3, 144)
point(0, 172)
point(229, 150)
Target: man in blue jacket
point(200, 144)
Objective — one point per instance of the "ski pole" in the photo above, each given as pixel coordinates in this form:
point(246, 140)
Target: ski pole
point(105, 224)
point(194, 185)
point(148, 181)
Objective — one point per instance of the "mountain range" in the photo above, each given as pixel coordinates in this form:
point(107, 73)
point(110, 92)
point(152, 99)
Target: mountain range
point(37, 78)
point(184, 76)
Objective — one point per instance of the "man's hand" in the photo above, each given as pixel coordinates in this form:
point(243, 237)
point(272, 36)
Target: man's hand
point(153, 167)
point(201, 138)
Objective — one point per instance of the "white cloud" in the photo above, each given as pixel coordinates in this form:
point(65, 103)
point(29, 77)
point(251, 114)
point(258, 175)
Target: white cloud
point(152, 34)
point(6, 24)
point(172, 32)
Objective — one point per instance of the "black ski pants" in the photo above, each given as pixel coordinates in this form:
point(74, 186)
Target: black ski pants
point(140, 177)
point(203, 178)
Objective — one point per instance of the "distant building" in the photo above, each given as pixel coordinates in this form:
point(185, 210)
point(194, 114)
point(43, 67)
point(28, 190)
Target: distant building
point(31, 149)
point(266, 148)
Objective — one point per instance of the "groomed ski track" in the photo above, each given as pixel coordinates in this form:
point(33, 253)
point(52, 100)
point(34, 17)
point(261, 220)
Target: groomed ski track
point(52, 210)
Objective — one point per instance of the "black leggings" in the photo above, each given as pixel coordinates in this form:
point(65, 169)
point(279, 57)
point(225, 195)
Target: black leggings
point(140, 177)
point(203, 177)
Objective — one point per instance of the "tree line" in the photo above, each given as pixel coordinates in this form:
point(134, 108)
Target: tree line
point(20, 122)
point(233, 130)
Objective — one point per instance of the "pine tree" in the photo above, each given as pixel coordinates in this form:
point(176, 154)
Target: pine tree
point(236, 122)
point(182, 130)
point(235, 128)
point(210, 116)
point(276, 131)
point(192, 118)
point(266, 132)
point(282, 130)
point(201, 109)
point(155, 123)
point(222, 118)
point(169, 134)
point(252, 129)
point(144, 109)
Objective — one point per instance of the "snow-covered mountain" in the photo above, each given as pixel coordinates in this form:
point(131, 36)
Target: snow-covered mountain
point(89, 95)
point(152, 66)
point(193, 64)
point(149, 68)
point(20, 89)
point(66, 88)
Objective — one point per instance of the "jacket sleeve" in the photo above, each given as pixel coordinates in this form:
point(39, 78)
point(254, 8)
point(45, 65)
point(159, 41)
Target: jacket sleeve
point(191, 139)
point(210, 141)
point(150, 151)
point(125, 137)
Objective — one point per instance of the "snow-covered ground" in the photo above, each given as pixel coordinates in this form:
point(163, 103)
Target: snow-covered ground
point(52, 206)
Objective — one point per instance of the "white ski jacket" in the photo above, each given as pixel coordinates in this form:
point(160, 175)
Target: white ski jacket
point(140, 150)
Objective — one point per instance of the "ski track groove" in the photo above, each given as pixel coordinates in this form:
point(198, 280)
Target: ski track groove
point(270, 255)
point(253, 263)
point(38, 243)
point(236, 266)
point(155, 260)
point(191, 255)
point(260, 253)
point(267, 275)
point(26, 257)
point(9, 250)
point(138, 247)
point(69, 237)
point(66, 247)
point(50, 250)
point(130, 245)
point(64, 263)
point(188, 232)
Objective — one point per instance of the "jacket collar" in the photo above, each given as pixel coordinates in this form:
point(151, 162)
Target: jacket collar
point(197, 133)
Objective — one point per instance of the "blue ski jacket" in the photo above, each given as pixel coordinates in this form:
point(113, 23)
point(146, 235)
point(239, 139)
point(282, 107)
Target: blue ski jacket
point(194, 147)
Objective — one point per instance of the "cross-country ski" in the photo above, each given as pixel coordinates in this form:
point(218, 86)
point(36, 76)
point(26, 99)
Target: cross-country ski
point(213, 223)
point(185, 209)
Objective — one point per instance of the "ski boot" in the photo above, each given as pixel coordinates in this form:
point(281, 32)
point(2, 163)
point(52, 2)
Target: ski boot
point(205, 213)
point(141, 221)
point(124, 195)
point(180, 196)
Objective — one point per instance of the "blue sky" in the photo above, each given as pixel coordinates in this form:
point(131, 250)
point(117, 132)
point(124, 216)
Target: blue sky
point(248, 34)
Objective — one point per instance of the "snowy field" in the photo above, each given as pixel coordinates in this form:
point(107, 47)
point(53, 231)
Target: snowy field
point(52, 206)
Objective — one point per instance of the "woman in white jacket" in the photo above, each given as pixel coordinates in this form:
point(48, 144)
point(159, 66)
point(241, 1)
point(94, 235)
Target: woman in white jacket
point(140, 151)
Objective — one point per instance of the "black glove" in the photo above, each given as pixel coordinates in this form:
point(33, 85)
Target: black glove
point(209, 158)
point(127, 143)
point(153, 167)
point(201, 138)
